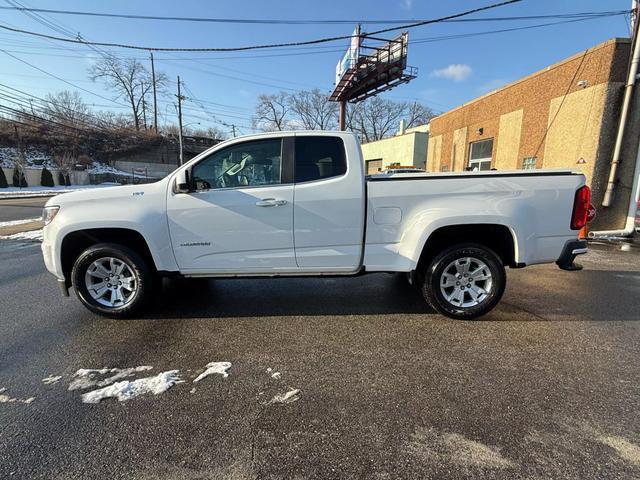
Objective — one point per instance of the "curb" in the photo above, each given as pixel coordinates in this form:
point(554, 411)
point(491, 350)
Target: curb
point(21, 228)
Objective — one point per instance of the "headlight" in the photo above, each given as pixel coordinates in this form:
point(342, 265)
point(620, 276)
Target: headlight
point(48, 214)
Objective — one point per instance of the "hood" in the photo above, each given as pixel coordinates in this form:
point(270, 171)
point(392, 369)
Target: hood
point(97, 192)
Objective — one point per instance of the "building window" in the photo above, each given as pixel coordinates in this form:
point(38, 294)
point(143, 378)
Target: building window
point(529, 163)
point(480, 154)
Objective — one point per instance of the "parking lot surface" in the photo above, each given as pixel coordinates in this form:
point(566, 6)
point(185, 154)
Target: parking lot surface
point(329, 378)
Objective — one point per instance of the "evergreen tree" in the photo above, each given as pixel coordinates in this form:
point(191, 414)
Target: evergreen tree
point(3, 179)
point(46, 180)
point(18, 178)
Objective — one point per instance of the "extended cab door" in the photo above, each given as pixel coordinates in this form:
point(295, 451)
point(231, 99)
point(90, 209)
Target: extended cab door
point(329, 211)
point(238, 218)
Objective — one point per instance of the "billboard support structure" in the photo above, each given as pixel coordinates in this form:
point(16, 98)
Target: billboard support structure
point(363, 75)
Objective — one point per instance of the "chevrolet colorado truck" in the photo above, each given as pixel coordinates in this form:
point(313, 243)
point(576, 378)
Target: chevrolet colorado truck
point(299, 204)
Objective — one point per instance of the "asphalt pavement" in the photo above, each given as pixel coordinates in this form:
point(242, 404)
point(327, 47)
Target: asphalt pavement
point(546, 386)
point(21, 208)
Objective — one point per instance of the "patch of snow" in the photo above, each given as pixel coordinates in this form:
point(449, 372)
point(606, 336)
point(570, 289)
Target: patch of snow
point(276, 375)
point(33, 235)
point(288, 397)
point(127, 389)
point(269, 370)
point(7, 399)
point(624, 448)
point(214, 367)
point(34, 157)
point(88, 377)
point(51, 379)
point(38, 191)
point(18, 222)
point(193, 390)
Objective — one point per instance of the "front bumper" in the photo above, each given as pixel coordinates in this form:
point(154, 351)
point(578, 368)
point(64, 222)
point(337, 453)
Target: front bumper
point(571, 250)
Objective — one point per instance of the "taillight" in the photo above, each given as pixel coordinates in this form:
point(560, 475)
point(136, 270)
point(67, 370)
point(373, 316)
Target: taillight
point(580, 208)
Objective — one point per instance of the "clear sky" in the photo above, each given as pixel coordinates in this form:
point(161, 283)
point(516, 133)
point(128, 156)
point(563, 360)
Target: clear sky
point(451, 71)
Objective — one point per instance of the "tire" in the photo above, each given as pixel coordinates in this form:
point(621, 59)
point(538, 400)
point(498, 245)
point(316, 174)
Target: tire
point(132, 287)
point(444, 286)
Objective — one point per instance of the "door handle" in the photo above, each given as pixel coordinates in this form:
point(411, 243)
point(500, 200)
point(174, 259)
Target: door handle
point(270, 202)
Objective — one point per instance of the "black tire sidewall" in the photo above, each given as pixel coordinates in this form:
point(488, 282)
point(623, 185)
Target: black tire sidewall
point(137, 264)
point(431, 283)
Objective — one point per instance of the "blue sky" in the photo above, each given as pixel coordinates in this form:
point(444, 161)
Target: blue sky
point(450, 72)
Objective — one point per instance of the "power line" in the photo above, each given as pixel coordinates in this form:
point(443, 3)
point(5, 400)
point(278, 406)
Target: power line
point(275, 21)
point(262, 46)
point(58, 78)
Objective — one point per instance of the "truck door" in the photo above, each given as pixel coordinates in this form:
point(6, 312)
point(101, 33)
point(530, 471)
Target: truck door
point(329, 203)
point(238, 218)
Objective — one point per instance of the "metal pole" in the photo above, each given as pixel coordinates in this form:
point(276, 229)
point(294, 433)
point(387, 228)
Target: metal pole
point(626, 103)
point(144, 109)
point(342, 117)
point(180, 122)
point(155, 99)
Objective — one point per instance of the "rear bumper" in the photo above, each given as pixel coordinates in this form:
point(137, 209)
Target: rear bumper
point(571, 250)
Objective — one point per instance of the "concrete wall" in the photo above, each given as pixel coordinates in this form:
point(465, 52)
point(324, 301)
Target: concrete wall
point(156, 170)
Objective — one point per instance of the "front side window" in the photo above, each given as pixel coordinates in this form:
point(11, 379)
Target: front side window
point(480, 155)
point(246, 164)
point(318, 158)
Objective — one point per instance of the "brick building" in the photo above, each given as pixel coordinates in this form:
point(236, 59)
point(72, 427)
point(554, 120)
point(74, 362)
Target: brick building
point(565, 115)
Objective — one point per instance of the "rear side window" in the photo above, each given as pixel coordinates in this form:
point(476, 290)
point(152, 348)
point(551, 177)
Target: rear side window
point(318, 158)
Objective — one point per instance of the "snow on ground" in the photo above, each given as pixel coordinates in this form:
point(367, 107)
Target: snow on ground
point(48, 191)
point(51, 379)
point(214, 367)
point(288, 397)
point(127, 390)
point(7, 399)
point(33, 235)
point(273, 374)
point(18, 222)
point(90, 377)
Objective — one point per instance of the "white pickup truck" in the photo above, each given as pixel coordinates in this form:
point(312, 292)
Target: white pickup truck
point(299, 204)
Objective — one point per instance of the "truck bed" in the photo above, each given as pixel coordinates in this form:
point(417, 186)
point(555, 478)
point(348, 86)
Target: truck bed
point(405, 209)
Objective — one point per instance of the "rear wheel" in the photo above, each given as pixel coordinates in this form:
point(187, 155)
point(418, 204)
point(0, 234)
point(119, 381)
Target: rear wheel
point(111, 280)
point(464, 281)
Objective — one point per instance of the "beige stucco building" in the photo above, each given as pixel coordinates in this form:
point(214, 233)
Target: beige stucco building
point(407, 148)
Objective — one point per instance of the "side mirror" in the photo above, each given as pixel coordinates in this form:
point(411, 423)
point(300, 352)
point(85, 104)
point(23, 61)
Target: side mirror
point(182, 184)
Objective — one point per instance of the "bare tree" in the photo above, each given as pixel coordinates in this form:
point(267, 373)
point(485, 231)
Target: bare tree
point(377, 118)
point(418, 114)
point(211, 132)
point(130, 79)
point(66, 107)
point(313, 110)
point(271, 112)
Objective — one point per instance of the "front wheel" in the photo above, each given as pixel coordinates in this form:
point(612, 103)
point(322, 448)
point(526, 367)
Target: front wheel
point(464, 281)
point(111, 280)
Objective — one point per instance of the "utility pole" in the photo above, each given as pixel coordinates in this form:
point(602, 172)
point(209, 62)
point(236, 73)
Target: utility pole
point(342, 116)
point(155, 99)
point(144, 109)
point(180, 97)
point(233, 129)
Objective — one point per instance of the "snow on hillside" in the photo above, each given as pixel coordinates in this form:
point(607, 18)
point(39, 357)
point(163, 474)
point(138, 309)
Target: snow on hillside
point(38, 158)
